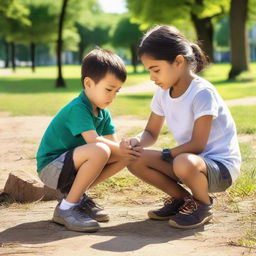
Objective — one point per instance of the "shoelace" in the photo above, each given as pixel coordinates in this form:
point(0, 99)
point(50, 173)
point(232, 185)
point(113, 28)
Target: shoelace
point(189, 206)
point(88, 203)
point(81, 212)
point(168, 200)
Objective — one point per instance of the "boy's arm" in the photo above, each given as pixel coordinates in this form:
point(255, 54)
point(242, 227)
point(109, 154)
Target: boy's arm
point(93, 137)
point(112, 137)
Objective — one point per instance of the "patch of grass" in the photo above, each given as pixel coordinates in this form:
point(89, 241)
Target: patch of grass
point(245, 118)
point(138, 105)
point(5, 199)
point(126, 184)
point(245, 184)
point(25, 93)
point(133, 131)
point(244, 86)
point(248, 237)
point(165, 139)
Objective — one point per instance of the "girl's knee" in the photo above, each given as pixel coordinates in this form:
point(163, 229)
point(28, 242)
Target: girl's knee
point(136, 166)
point(184, 165)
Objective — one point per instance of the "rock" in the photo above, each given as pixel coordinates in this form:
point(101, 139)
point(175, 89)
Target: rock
point(24, 187)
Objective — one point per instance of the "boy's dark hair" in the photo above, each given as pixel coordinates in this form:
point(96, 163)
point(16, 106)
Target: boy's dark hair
point(166, 42)
point(97, 63)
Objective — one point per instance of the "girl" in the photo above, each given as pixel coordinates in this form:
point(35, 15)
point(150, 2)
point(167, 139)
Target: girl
point(207, 158)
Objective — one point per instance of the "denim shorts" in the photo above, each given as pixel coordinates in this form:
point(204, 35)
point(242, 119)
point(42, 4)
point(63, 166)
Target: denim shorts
point(60, 173)
point(219, 178)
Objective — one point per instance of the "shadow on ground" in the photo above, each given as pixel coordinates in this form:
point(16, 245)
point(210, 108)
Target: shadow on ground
point(124, 237)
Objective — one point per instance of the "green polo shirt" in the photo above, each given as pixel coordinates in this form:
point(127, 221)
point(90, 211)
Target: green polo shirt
point(64, 131)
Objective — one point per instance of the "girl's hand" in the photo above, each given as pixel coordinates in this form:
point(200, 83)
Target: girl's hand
point(127, 151)
point(134, 142)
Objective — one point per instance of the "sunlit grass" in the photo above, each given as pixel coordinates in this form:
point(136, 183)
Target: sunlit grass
point(245, 184)
point(27, 93)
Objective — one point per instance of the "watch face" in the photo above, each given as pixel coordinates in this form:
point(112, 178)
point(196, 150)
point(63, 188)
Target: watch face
point(166, 156)
point(166, 151)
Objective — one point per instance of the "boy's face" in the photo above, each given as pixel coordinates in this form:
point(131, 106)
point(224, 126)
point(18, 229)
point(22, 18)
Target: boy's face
point(101, 94)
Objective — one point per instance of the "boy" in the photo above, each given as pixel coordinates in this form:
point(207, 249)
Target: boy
point(79, 148)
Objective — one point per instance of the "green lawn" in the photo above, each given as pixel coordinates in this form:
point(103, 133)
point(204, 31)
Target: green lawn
point(244, 86)
point(25, 93)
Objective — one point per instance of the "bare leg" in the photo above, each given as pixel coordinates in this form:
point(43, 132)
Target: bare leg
point(114, 165)
point(192, 171)
point(153, 170)
point(89, 161)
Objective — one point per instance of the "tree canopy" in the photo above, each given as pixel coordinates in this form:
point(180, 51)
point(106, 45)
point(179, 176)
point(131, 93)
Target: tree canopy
point(127, 34)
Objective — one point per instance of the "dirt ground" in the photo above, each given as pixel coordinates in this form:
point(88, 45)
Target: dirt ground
point(28, 230)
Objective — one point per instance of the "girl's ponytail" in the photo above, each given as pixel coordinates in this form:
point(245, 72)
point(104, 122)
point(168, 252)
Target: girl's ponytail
point(201, 60)
point(164, 42)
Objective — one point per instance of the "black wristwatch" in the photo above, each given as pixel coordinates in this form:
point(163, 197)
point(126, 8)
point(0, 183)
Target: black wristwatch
point(167, 155)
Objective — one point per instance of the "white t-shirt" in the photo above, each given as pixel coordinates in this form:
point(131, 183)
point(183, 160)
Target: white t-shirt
point(200, 99)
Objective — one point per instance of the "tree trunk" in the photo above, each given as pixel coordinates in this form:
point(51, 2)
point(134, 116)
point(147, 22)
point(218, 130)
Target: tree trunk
point(204, 31)
point(238, 38)
point(13, 55)
point(6, 61)
point(81, 52)
point(133, 49)
point(60, 81)
point(33, 54)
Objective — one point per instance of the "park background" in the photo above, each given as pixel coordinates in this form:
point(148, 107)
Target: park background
point(42, 43)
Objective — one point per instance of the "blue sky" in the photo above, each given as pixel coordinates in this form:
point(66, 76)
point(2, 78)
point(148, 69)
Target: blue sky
point(113, 6)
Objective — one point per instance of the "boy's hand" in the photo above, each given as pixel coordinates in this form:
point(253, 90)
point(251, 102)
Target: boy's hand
point(128, 151)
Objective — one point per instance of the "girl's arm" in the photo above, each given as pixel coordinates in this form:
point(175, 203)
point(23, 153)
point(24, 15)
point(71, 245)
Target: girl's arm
point(200, 135)
point(110, 140)
point(150, 134)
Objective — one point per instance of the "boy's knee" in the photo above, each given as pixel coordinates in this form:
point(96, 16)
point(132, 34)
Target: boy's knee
point(102, 149)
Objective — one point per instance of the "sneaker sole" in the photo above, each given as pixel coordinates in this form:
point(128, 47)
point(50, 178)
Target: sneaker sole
point(176, 225)
point(74, 228)
point(153, 216)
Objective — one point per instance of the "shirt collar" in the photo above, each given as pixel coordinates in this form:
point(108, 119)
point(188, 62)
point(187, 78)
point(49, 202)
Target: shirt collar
point(88, 103)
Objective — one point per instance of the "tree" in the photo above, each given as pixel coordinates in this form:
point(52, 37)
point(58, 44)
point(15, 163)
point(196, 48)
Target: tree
point(13, 17)
point(200, 12)
point(94, 27)
point(128, 34)
point(42, 17)
point(238, 36)
point(94, 33)
point(203, 25)
point(60, 81)
point(222, 32)
point(6, 51)
point(70, 14)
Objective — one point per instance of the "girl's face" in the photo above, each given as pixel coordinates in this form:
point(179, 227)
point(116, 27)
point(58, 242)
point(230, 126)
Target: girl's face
point(164, 74)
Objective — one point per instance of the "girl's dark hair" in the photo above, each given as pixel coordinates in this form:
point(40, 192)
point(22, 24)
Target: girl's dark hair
point(97, 63)
point(166, 42)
